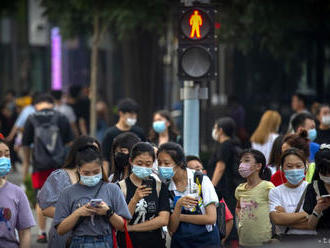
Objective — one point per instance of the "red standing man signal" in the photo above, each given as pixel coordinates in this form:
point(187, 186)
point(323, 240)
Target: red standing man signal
point(195, 22)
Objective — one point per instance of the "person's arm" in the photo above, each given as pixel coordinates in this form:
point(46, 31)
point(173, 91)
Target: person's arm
point(140, 192)
point(26, 161)
point(69, 222)
point(82, 126)
point(321, 205)
point(229, 227)
point(175, 216)
point(287, 219)
point(218, 172)
point(49, 212)
point(74, 129)
point(209, 218)
point(161, 220)
point(12, 133)
point(25, 238)
point(302, 226)
point(238, 208)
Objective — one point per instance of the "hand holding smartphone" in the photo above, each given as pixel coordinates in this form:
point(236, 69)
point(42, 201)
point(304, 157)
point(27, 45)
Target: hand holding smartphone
point(95, 202)
point(148, 183)
point(325, 196)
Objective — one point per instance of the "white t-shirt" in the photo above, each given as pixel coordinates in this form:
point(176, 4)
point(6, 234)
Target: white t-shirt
point(267, 147)
point(67, 111)
point(209, 195)
point(288, 198)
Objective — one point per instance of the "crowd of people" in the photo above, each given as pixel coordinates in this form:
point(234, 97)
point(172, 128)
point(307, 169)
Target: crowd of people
point(128, 189)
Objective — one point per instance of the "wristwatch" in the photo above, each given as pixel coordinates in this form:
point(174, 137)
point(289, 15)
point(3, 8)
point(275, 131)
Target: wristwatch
point(317, 215)
point(109, 213)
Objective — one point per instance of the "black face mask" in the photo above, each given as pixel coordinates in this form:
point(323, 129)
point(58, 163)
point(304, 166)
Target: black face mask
point(121, 160)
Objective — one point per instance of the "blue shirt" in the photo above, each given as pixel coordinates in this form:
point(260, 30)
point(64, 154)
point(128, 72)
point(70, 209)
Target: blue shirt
point(20, 122)
point(313, 148)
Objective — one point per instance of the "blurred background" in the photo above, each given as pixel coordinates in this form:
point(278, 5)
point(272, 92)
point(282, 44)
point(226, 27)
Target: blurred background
point(268, 50)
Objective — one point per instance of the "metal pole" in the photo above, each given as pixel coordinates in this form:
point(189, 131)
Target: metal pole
point(191, 118)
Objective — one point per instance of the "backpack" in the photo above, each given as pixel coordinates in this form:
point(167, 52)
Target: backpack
point(221, 209)
point(48, 151)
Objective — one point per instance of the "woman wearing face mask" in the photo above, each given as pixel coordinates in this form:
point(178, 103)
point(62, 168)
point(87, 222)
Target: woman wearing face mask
point(163, 129)
point(57, 182)
point(286, 200)
point(91, 207)
point(317, 201)
point(121, 148)
point(254, 227)
point(193, 203)
point(15, 211)
point(147, 200)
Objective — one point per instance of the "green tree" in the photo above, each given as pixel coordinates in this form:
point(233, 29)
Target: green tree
point(94, 18)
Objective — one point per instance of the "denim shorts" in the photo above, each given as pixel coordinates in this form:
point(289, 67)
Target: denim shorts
point(91, 242)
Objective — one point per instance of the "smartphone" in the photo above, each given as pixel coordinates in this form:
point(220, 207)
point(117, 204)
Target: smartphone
point(325, 196)
point(148, 183)
point(95, 202)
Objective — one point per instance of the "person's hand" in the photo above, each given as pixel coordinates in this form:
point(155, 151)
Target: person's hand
point(101, 209)
point(187, 202)
point(141, 192)
point(280, 209)
point(84, 211)
point(130, 228)
point(322, 204)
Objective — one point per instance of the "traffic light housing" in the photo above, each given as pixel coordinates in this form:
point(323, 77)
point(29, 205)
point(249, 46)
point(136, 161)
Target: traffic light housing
point(197, 44)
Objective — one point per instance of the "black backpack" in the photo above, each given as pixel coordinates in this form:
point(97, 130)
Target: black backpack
point(48, 151)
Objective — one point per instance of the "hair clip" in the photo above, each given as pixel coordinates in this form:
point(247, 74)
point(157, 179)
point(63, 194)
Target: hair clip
point(325, 146)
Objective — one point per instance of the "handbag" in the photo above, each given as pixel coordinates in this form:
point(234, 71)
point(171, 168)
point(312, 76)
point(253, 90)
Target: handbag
point(127, 237)
point(80, 220)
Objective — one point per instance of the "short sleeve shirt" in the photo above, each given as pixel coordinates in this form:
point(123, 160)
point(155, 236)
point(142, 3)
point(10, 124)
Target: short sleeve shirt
point(78, 195)
point(310, 203)
point(15, 213)
point(146, 209)
point(224, 153)
point(254, 224)
point(54, 185)
point(288, 198)
point(20, 122)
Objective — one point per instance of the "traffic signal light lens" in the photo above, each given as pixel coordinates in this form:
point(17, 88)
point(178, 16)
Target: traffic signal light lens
point(195, 24)
point(196, 62)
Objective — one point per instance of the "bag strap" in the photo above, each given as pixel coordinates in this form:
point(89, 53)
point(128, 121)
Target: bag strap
point(123, 187)
point(127, 237)
point(301, 200)
point(81, 219)
point(198, 179)
point(316, 188)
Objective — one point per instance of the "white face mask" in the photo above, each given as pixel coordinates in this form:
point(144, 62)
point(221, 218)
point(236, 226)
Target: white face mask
point(215, 136)
point(326, 120)
point(131, 121)
point(325, 179)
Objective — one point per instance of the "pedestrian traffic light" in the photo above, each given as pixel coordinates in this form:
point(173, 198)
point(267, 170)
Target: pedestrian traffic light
point(197, 47)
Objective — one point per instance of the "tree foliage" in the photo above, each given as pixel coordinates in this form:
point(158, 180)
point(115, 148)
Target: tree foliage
point(282, 27)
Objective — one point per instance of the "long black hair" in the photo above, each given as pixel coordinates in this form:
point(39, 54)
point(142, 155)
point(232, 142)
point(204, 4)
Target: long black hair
point(322, 162)
point(264, 173)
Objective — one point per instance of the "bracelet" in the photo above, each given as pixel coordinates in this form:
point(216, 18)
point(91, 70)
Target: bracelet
point(316, 214)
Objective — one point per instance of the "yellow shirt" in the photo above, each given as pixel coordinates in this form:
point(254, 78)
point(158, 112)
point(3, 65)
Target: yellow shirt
point(254, 224)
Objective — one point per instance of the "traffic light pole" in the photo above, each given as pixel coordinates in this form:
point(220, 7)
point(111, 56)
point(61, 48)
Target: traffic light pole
point(191, 94)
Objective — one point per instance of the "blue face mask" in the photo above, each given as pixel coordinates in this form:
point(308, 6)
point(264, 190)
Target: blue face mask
point(312, 133)
point(141, 172)
point(166, 172)
point(295, 176)
point(159, 126)
point(91, 180)
point(5, 166)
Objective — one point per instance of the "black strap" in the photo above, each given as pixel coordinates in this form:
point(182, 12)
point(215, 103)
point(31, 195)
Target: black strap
point(81, 219)
point(298, 207)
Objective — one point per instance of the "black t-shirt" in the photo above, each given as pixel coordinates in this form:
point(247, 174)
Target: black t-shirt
point(112, 133)
point(323, 226)
point(323, 136)
point(224, 152)
point(147, 209)
point(45, 116)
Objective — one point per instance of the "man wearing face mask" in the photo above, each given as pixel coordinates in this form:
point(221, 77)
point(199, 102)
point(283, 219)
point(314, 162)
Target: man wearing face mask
point(323, 131)
point(128, 114)
point(304, 121)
